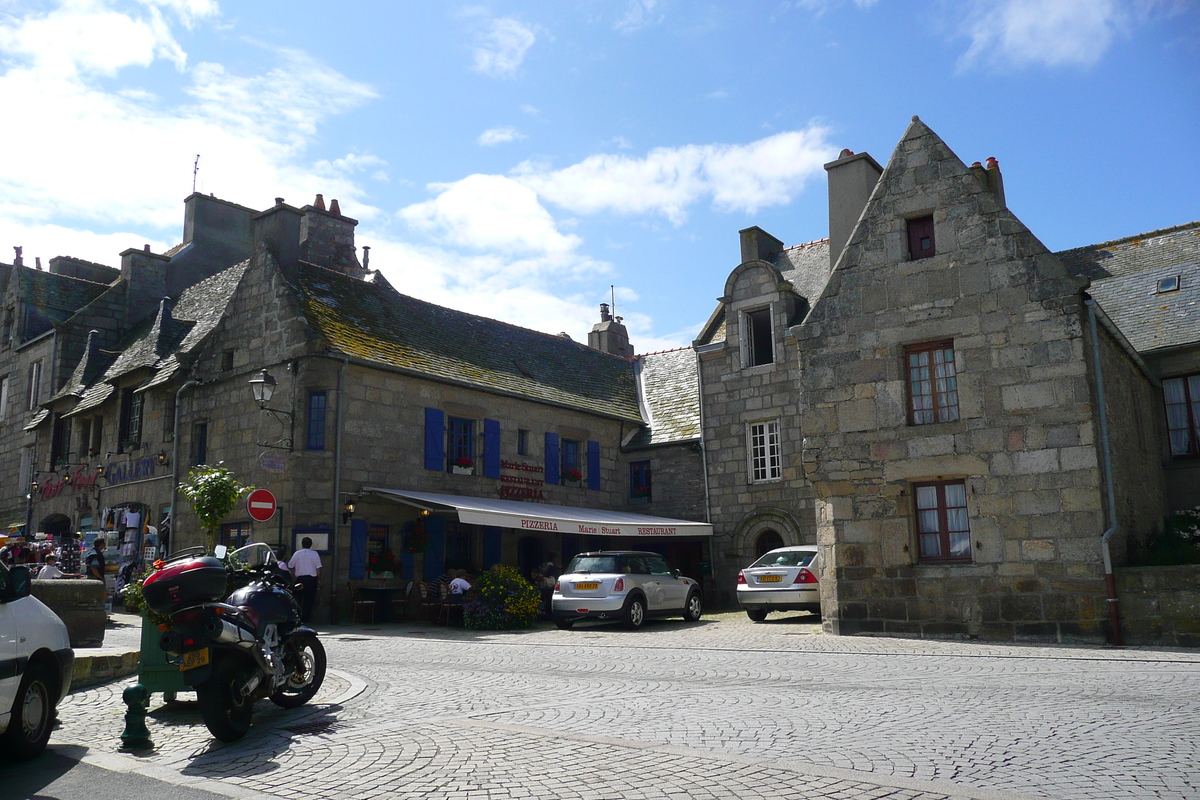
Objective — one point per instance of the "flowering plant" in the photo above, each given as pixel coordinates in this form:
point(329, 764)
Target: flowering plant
point(416, 537)
point(573, 475)
point(134, 600)
point(640, 491)
point(500, 599)
point(382, 561)
point(464, 462)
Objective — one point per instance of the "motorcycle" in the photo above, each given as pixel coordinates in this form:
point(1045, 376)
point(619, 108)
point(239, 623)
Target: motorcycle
point(235, 633)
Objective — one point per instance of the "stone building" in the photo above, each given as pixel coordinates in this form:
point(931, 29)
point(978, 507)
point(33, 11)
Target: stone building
point(921, 395)
point(395, 425)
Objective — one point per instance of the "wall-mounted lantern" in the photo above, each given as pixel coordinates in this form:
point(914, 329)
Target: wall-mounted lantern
point(263, 386)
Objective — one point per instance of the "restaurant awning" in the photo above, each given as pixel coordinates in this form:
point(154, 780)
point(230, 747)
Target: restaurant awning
point(542, 517)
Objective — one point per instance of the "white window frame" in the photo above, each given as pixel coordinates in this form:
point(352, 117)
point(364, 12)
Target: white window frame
point(747, 331)
point(4, 397)
point(764, 456)
point(35, 384)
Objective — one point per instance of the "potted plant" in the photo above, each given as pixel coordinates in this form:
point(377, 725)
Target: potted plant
point(572, 477)
point(381, 565)
point(416, 537)
point(213, 493)
point(463, 466)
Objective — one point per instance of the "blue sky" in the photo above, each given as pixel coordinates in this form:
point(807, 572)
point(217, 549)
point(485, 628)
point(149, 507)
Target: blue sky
point(515, 159)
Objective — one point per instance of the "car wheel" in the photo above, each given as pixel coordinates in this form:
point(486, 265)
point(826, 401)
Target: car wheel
point(635, 613)
point(32, 714)
point(756, 614)
point(694, 607)
point(564, 623)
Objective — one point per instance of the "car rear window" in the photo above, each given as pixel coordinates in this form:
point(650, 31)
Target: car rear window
point(593, 564)
point(788, 558)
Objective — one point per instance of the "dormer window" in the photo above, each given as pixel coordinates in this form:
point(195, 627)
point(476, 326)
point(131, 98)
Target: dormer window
point(1170, 284)
point(758, 337)
point(920, 238)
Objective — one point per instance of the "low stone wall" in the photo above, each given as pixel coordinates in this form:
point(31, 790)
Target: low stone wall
point(79, 602)
point(1160, 605)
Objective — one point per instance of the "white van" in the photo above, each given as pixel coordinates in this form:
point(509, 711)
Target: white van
point(36, 663)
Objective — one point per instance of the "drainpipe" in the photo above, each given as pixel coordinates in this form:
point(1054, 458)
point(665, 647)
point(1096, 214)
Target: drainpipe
point(1110, 582)
point(337, 486)
point(712, 561)
point(175, 464)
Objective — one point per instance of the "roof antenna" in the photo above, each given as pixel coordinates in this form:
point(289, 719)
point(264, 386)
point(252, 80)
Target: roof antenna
point(612, 291)
point(195, 169)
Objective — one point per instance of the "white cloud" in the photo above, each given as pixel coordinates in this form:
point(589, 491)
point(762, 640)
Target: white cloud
point(532, 111)
point(638, 14)
point(502, 49)
point(620, 142)
point(121, 156)
point(763, 173)
point(1021, 33)
point(494, 136)
point(490, 212)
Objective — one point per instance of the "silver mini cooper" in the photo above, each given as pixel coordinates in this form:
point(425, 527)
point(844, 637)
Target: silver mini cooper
point(625, 585)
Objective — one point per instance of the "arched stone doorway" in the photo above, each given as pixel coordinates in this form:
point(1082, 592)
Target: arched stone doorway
point(55, 525)
point(768, 540)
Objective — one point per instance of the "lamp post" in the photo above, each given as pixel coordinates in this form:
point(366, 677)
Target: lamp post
point(263, 386)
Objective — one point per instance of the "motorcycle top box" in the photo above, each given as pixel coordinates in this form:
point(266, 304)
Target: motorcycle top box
point(186, 583)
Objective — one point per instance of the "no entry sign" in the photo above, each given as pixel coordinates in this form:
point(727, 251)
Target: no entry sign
point(261, 505)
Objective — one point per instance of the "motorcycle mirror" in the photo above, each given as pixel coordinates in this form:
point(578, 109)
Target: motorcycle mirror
point(220, 551)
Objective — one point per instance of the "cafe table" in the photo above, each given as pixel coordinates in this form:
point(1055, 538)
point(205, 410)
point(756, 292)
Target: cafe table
point(384, 595)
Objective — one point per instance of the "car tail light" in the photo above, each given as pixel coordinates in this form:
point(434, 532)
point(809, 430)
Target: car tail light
point(619, 585)
point(557, 587)
point(804, 576)
point(741, 577)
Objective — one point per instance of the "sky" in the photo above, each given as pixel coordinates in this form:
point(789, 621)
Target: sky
point(528, 160)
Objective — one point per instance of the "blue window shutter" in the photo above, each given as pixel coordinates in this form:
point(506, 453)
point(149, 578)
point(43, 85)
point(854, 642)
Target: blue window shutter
point(593, 457)
point(491, 448)
point(435, 439)
point(358, 549)
point(552, 458)
point(435, 547)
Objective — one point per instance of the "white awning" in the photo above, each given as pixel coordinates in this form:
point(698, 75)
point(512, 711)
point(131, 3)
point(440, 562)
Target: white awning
point(541, 517)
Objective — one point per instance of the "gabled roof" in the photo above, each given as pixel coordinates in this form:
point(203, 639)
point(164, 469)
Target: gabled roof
point(1125, 275)
point(56, 296)
point(670, 396)
point(372, 321)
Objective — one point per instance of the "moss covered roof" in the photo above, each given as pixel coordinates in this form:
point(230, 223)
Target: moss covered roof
point(372, 321)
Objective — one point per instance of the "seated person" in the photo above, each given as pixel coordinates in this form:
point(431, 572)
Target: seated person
point(458, 586)
point(50, 570)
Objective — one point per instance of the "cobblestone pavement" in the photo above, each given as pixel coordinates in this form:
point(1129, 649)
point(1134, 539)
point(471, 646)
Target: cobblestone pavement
point(720, 709)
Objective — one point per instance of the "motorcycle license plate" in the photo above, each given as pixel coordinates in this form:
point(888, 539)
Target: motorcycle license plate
point(196, 658)
point(591, 585)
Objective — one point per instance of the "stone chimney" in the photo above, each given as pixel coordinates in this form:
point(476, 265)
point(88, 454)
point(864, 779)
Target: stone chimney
point(146, 276)
point(609, 335)
point(84, 270)
point(277, 230)
point(852, 178)
point(995, 181)
point(757, 244)
point(327, 238)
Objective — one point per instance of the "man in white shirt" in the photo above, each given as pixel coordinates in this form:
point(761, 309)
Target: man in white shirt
point(50, 570)
point(459, 584)
point(305, 565)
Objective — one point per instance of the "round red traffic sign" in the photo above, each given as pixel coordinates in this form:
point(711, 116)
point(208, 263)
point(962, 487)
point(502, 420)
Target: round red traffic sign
point(261, 505)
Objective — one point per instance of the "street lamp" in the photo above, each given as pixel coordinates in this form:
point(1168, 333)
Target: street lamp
point(263, 386)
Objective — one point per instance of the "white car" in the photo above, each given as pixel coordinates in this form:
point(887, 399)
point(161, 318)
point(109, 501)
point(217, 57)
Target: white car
point(625, 585)
point(36, 663)
point(785, 579)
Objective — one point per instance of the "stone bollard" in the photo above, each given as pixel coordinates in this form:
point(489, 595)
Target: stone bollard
point(136, 735)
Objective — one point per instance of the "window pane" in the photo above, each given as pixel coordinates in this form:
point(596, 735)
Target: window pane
point(926, 497)
point(956, 519)
point(960, 544)
point(928, 521)
point(930, 545)
point(956, 495)
point(1173, 390)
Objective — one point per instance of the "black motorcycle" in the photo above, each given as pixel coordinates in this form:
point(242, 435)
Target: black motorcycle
point(235, 633)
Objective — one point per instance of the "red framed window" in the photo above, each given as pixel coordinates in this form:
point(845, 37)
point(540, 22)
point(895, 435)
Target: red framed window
point(932, 383)
point(1182, 396)
point(942, 530)
point(920, 238)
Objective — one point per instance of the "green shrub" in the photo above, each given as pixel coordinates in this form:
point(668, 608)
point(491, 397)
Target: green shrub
point(500, 599)
point(1177, 543)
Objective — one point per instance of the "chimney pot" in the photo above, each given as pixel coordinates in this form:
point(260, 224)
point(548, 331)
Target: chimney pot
point(975, 164)
point(846, 151)
point(604, 315)
point(334, 208)
point(278, 201)
point(37, 260)
point(146, 248)
point(319, 202)
point(366, 255)
point(992, 163)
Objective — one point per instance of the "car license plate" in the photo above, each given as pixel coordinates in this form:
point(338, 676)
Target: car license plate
point(196, 658)
point(587, 585)
point(770, 578)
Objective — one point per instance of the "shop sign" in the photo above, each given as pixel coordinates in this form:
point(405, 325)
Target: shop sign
point(82, 478)
point(520, 487)
point(129, 471)
point(609, 530)
point(275, 463)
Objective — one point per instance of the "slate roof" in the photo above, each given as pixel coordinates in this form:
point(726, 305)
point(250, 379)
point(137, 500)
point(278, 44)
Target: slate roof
point(670, 397)
point(1125, 275)
point(57, 296)
point(372, 321)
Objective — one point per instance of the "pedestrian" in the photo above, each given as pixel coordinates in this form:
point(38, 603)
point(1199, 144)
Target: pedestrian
point(305, 565)
point(549, 572)
point(95, 559)
point(50, 570)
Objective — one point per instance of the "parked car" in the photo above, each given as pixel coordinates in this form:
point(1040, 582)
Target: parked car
point(626, 585)
point(35, 647)
point(784, 579)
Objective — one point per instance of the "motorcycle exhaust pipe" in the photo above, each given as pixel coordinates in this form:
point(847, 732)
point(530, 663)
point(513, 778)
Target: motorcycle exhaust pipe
point(225, 632)
point(171, 641)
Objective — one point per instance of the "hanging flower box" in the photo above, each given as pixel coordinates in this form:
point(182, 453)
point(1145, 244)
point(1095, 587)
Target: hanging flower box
point(572, 477)
point(463, 466)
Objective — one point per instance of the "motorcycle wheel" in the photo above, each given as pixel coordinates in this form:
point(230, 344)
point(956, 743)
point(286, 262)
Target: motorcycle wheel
point(226, 711)
point(305, 656)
